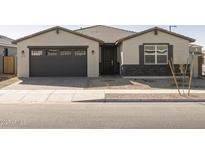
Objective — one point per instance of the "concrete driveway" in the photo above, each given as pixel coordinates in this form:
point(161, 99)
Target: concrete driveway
point(76, 83)
point(49, 83)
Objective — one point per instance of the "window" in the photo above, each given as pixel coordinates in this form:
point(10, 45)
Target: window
point(5, 51)
point(36, 53)
point(52, 52)
point(80, 53)
point(65, 53)
point(155, 54)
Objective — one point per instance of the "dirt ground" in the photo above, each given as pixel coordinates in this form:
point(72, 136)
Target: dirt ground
point(124, 83)
point(4, 77)
point(151, 97)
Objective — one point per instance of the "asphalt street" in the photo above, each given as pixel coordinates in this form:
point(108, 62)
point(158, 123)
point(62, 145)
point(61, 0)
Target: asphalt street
point(103, 115)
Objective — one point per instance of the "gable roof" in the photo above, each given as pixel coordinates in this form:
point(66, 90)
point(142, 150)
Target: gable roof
point(106, 33)
point(57, 28)
point(156, 29)
point(89, 27)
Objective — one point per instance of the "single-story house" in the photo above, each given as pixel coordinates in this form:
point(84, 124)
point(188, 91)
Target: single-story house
point(101, 50)
point(7, 49)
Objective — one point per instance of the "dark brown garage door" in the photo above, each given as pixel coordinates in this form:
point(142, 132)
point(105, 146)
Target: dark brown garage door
point(58, 61)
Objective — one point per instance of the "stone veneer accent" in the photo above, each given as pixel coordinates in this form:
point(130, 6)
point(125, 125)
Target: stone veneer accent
point(148, 70)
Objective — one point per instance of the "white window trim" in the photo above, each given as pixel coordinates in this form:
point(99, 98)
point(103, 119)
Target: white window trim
point(156, 54)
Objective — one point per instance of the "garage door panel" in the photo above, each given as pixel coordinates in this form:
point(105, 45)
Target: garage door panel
point(51, 66)
point(64, 63)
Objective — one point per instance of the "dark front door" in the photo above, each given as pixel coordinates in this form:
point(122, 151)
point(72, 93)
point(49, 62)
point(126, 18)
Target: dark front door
point(108, 58)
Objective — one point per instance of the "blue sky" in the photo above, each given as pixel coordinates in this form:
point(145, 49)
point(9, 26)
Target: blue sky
point(195, 31)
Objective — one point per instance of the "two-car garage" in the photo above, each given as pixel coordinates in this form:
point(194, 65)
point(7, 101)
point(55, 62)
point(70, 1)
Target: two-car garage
point(58, 61)
point(58, 52)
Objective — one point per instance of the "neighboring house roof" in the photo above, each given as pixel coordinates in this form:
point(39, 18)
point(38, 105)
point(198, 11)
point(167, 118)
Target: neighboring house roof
point(106, 33)
point(6, 42)
point(156, 29)
point(194, 48)
point(8, 45)
point(57, 28)
point(195, 45)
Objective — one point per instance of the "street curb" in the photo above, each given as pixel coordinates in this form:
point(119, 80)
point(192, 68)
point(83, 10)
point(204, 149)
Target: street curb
point(111, 101)
point(141, 100)
point(155, 100)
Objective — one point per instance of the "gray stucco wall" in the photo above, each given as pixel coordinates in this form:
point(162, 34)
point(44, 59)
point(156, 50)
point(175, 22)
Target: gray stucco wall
point(12, 51)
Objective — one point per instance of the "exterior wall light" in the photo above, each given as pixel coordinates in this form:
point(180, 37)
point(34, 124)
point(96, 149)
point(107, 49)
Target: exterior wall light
point(93, 52)
point(57, 31)
point(155, 32)
point(23, 52)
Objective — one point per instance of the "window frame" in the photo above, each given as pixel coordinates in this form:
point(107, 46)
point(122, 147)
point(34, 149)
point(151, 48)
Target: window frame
point(80, 53)
point(52, 52)
point(156, 53)
point(66, 53)
point(37, 52)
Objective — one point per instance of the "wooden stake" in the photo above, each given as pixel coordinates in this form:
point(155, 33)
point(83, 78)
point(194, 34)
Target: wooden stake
point(175, 79)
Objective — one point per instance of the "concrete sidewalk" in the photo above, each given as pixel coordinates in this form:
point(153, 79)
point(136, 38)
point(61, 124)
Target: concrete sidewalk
point(49, 96)
point(67, 96)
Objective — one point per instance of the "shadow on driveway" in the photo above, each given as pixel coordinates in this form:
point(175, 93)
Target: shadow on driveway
point(106, 82)
point(78, 82)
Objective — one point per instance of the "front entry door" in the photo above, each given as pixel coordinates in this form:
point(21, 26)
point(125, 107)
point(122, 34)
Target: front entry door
point(108, 60)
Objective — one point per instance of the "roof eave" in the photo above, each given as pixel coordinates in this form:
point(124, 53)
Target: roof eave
point(53, 28)
point(155, 28)
point(89, 27)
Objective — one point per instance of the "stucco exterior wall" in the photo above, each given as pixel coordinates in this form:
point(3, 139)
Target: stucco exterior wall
point(61, 39)
point(130, 47)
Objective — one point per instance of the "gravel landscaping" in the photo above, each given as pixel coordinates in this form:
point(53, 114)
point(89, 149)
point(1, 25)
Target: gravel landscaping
point(125, 83)
point(4, 77)
point(6, 80)
point(154, 96)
